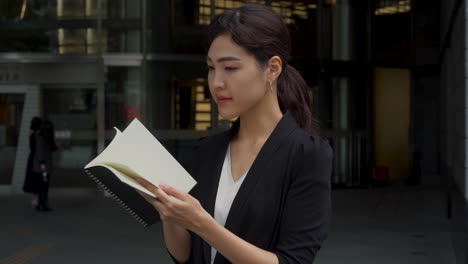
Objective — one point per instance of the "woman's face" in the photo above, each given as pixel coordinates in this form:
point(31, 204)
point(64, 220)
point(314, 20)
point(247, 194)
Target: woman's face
point(236, 81)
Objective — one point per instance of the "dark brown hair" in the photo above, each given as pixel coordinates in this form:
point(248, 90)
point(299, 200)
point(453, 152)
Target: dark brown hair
point(262, 33)
point(36, 123)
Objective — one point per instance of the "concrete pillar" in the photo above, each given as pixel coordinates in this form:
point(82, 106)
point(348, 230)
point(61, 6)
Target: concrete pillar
point(342, 50)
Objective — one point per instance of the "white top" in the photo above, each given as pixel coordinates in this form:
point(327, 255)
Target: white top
point(227, 190)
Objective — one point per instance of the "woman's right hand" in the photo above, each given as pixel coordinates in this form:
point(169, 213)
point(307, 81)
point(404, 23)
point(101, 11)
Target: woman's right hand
point(177, 237)
point(177, 207)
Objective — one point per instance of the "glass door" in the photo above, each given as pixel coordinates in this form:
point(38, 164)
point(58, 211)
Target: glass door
point(72, 111)
point(11, 112)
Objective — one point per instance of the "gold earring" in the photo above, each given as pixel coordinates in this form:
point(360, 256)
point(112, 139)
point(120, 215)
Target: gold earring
point(271, 87)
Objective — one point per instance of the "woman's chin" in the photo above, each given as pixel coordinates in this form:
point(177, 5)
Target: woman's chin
point(228, 115)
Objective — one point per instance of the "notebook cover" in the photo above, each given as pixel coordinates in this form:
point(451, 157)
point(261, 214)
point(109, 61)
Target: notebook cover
point(125, 195)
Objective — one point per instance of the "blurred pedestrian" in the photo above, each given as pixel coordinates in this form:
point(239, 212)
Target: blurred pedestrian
point(31, 184)
point(42, 162)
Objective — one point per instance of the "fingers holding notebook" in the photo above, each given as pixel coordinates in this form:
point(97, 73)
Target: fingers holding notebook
point(175, 206)
point(163, 199)
point(150, 187)
point(169, 190)
point(184, 210)
point(164, 193)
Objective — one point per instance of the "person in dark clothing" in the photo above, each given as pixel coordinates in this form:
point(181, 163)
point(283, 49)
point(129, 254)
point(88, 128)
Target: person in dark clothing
point(42, 162)
point(31, 180)
point(263, 188)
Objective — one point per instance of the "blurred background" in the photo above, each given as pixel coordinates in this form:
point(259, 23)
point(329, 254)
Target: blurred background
point(387, 78)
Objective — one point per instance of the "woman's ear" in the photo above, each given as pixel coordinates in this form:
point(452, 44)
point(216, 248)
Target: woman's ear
point(275, 66)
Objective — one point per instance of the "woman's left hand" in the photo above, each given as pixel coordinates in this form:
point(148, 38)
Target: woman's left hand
point(175, 206)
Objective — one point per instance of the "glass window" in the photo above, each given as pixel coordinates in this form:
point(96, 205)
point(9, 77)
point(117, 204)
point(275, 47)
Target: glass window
point(191, 12)
point(219, 6)
point(70, 26)
point(122, 39)
point(345, 27)
point(295, 12)
point(391, 33)
point(73, 113)
point(390, 7)
point(122, 26)
point(172, 83)
point(27, 25)
point(123, 9)
point(192, 104)
point(123, 100)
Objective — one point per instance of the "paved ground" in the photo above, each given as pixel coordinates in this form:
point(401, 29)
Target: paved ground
point(390, 225)
point(397, 225)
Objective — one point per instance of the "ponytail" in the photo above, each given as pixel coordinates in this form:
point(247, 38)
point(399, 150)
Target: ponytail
point(293, 97)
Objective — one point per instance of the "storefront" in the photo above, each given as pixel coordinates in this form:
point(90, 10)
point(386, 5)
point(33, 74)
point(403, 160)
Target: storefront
point(91, 65)
point(56, 90)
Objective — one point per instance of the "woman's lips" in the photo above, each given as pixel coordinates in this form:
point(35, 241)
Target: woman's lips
point(222, 100)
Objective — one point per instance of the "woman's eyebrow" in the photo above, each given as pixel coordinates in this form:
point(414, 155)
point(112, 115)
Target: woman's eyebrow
point(222, 59)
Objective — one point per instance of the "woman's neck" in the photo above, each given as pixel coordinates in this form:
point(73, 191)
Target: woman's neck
point(256, 126)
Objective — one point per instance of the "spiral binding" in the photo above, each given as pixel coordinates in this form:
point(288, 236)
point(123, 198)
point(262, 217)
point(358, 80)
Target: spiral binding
point(122, 203)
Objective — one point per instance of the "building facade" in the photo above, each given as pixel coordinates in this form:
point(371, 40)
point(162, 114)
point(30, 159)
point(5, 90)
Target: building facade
point(373, 68)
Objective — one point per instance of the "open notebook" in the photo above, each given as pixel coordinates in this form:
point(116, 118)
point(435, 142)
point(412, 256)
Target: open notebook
point(134, 153)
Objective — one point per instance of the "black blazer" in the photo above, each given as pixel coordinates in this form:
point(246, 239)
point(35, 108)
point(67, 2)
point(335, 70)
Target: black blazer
point(283, 205)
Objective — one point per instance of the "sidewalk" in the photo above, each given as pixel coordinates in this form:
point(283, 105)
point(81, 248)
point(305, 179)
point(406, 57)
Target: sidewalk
point(395, 225)
point(79, 230)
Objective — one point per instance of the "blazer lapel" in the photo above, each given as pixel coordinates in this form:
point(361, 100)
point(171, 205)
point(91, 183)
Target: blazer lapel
point(286, 125)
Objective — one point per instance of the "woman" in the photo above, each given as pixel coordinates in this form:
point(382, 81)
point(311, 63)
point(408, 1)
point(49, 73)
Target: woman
point(42, 162)
point(263, 188)
point(31, 181)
